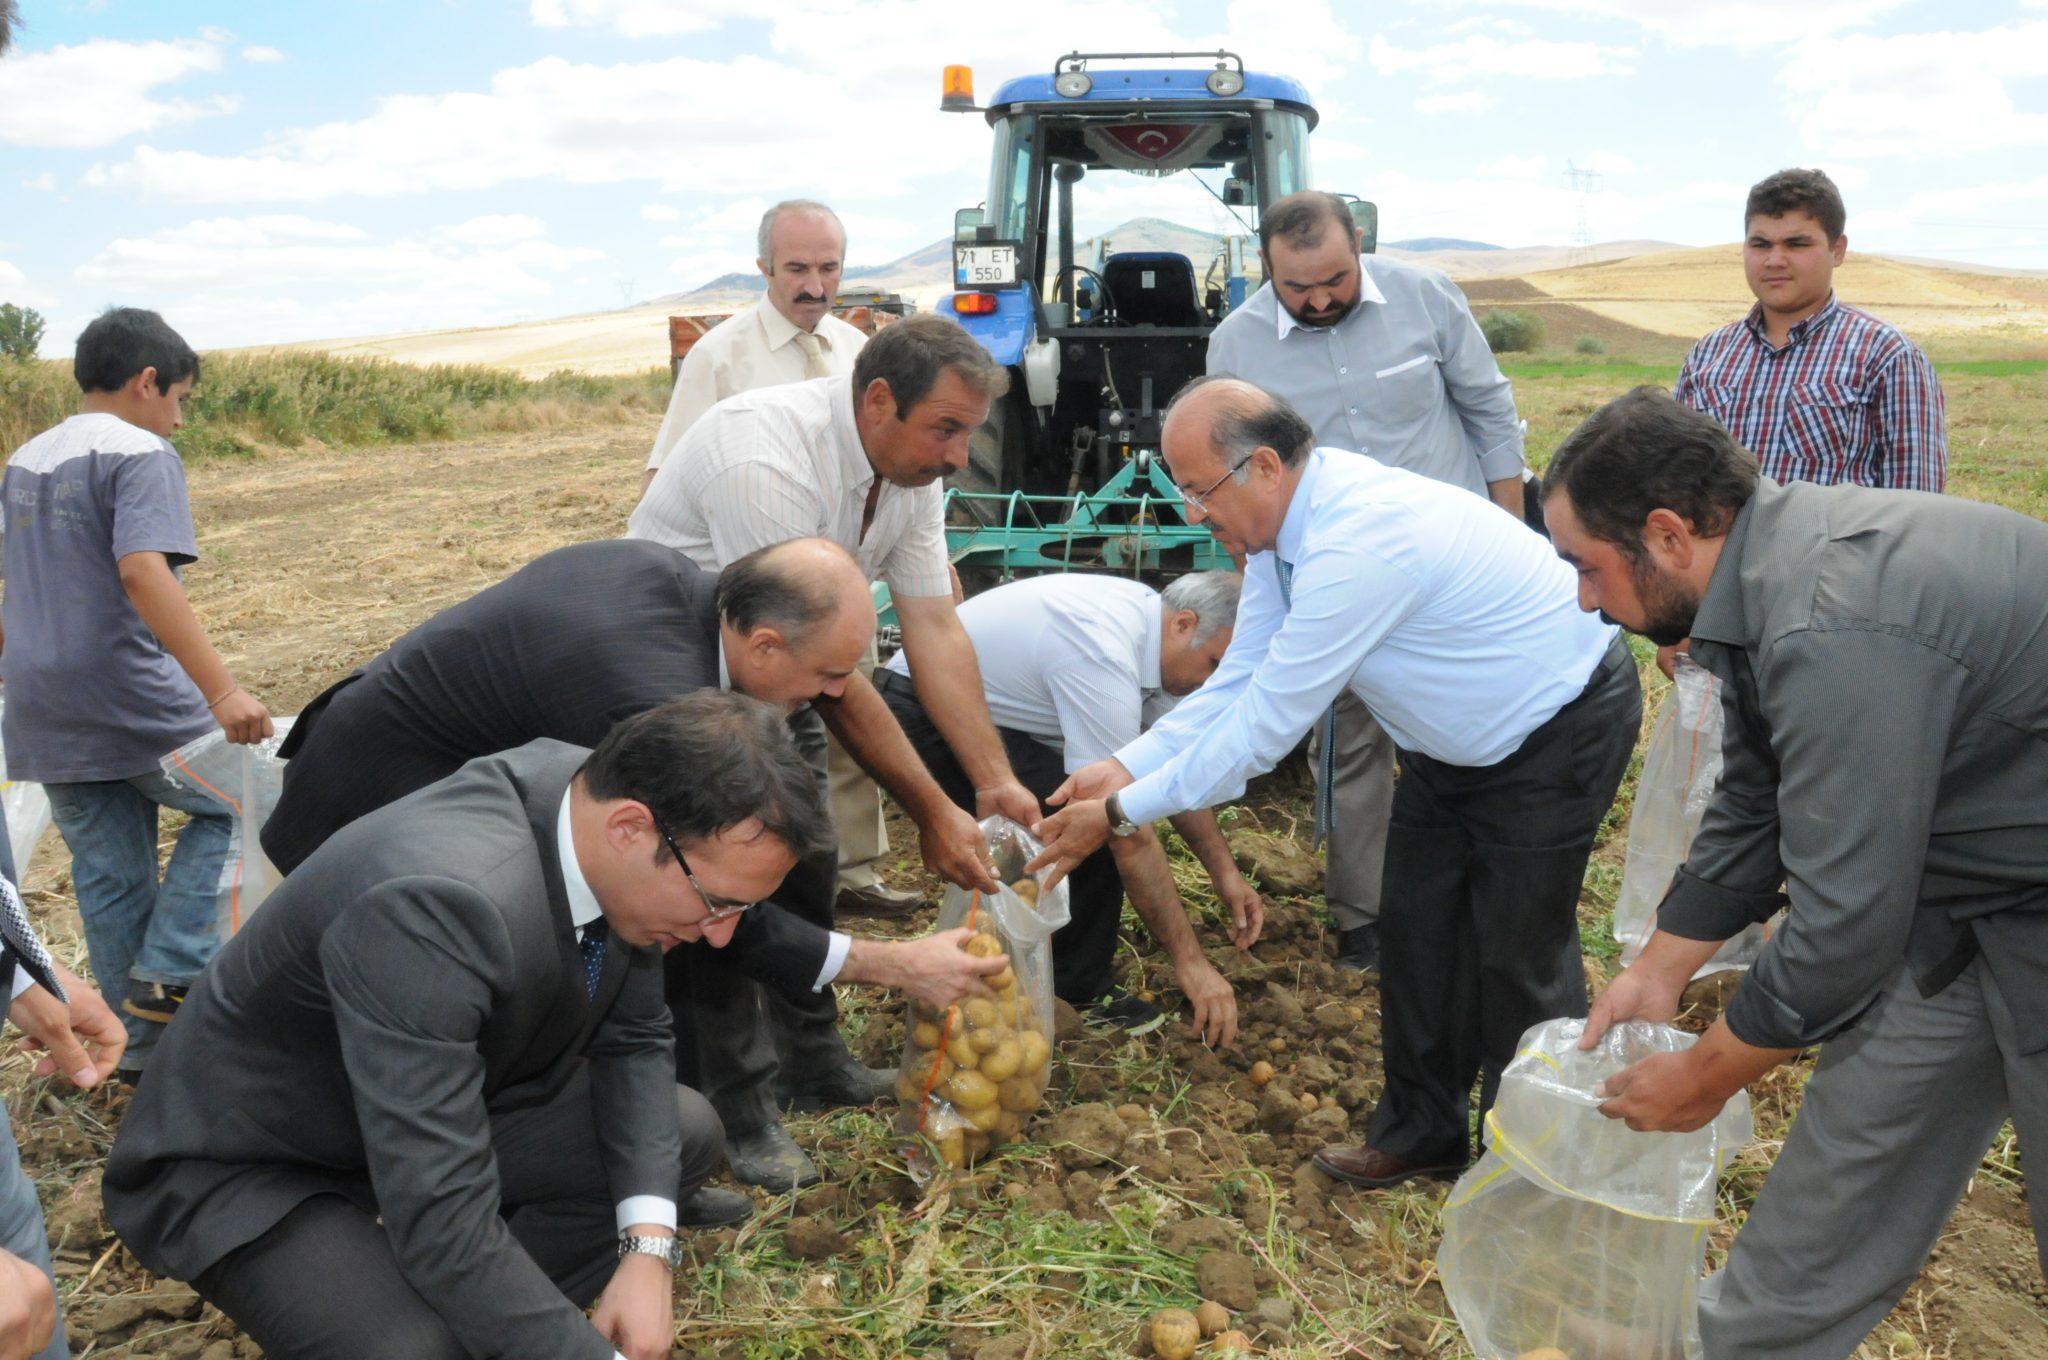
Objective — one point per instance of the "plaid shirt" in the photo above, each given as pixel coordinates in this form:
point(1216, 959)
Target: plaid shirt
point(1848, 399)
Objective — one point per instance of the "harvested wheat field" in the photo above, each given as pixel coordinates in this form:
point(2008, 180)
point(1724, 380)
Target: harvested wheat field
point(1158, 1173)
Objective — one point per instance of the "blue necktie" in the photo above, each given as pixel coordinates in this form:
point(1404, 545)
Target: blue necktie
point(1326, 736)
point(594, 936)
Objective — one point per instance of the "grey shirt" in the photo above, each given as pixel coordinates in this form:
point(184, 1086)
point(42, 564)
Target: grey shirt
point(1406, 377)
point(91, 693)
point(1885, 655)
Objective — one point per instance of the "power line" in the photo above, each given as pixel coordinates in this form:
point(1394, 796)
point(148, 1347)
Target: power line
point(1584, 183)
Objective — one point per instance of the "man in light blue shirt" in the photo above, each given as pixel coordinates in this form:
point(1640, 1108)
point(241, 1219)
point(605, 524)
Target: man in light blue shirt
point(1514, 713)
point(1381, 358)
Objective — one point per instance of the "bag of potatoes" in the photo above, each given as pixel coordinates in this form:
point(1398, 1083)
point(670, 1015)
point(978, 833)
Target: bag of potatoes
point(974, 1074)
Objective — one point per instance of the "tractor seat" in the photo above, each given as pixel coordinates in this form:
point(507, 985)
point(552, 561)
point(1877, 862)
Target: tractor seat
point(1153, 288)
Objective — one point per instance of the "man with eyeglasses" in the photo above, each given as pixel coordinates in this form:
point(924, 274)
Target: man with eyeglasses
point(423, 1104)
point(589, 634)
point(1382, 357)
point(1515, 715)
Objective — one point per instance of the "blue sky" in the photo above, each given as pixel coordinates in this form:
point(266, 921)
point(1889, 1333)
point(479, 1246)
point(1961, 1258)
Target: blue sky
point(271, 171)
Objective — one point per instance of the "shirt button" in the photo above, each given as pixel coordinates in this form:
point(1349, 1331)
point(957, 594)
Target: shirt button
point(1354, 410)
point(1343, 370)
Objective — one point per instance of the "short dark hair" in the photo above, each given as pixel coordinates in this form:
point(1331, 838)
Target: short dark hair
point(708, 761)
point(766, 588)
point(1246, 423)
point(1300, 219)
point(121, 342)
point(9, 17)
point(911, 354)
point(1788, 191)
point(1644, 451)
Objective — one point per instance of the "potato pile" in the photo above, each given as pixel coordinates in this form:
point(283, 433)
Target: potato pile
point(976, 1071)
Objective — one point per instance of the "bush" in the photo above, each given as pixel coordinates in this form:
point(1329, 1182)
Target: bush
point(1505, 331)
point(1587, 344)
point(21, 331)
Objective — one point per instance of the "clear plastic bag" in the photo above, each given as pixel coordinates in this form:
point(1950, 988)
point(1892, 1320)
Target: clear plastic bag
point(1574, 1232)
point(27, 808)
point(973, 1075)
point(247, 781)
point(1679, 772)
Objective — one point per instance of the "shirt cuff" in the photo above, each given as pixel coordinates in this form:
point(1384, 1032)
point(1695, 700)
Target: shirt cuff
point(1143, 755)
point(1502, 461)
point(647, 1209)
point(1696, 909)
point(22, 980)
point(1145, 802)
point(837, 943)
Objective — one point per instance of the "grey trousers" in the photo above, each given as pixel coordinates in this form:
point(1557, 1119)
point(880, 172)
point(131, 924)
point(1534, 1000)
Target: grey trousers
point(856, 804)
point(1892, 1126)
point(21, 1227)
point(1363, 767)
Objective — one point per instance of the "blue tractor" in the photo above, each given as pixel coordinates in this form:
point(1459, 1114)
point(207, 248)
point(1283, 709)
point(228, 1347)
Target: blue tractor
point(1066, 472)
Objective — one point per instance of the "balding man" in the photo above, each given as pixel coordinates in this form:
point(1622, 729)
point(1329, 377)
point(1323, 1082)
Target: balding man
point(1514, 713)
point(788, 336)
point(569, 645)
point(1382, 357)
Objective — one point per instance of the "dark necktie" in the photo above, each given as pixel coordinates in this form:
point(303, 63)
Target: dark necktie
point(594, 936)
point(1326, 741)
point(23, 944)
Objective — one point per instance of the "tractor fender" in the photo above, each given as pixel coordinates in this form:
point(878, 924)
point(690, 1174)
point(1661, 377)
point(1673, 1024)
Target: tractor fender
point(1006, 331)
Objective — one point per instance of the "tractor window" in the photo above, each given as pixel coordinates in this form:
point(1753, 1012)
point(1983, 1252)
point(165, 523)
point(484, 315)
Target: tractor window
point(1010, 172)
point(1283, 154)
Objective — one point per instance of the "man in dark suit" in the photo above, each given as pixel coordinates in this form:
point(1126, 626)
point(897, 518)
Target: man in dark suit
point(423, 1104)
point(587, 635)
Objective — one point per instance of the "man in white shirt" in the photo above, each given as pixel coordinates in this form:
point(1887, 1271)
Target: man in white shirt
point(790, 336)
point(1383, 358)
point(1514, 713)
point(1076, 666)
point(857, 461)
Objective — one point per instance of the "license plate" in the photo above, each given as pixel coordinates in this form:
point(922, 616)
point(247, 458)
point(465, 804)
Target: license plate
point(984, 266)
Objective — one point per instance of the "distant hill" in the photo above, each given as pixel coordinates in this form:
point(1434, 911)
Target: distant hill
point(1420, 243)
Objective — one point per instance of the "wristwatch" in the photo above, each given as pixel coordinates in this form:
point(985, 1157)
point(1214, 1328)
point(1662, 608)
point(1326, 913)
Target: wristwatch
point(668, 1249)
point(1119, 825)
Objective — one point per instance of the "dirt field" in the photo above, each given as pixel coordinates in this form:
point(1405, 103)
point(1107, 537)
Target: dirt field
point(1158, 1162)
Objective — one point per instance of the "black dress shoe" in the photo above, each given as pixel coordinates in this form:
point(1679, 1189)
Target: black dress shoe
point(1358, 949)
point(845, 1082)
point(769, 1157)
point(1372, 1169)
point(709, 1206)
point(878, 902)
point(1121, 1010)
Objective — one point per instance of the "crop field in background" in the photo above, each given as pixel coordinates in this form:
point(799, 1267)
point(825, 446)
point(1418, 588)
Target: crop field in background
point(340, 505)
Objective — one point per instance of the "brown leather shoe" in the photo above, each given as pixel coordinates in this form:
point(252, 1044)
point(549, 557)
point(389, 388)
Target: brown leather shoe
point(878, 902)
point(1376, 1170)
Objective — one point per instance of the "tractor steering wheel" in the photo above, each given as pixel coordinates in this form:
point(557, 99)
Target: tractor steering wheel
point(1063, 286)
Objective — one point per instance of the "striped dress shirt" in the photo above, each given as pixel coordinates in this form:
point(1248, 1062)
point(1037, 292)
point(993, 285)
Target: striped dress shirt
point(1847, 399)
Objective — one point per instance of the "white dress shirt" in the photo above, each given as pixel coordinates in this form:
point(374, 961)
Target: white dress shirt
point(1071, 659)
point(786, 462)
point(754, 348)
point(583, 909)
point(1456, 625)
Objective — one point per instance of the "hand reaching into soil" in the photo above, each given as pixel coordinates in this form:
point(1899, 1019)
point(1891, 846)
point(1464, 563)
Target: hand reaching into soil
point(955, 849)
point(636, 1312)
point(1215, 1020)
point(1247, 911)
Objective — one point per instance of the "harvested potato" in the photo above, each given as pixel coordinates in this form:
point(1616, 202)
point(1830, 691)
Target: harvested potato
point(925, 1034)
point(1543, 1353)
point(980, 1013)
point(1212, 1317)
point(983, 945)
point(1232, 1342)
point(1174, 1334)
point(1134, 1114)
point(1026, 888)
point(961, 1051)
point(1019, 1094)
point(1009, 1125)
point(983, 1118)
point(988, 1040)
point(1037, 1052)
point(1001, 1063)
point(1005, 981)
point(970, 1090)
point(1261, 1073)
point(952, 1146)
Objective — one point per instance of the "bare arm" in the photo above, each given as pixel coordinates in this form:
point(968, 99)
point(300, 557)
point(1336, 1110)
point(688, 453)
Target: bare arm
point(154, 591)
point(1141, 860)
point(1247, 908)
point(948, 681)
point(1507, 494)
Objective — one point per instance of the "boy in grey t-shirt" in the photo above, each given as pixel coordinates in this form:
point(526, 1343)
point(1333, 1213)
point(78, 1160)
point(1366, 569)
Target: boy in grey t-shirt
point(107, 668)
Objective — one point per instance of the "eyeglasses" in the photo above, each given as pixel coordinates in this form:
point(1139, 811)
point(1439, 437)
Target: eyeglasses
point(1200, 499)
point(721, 909)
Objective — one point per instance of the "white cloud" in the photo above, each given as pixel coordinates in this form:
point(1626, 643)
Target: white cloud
point(660, 212)
point(1478, 56)
point(45, 183)
point(1849, 93)
point(699, 267)
point(1715, 23)
point(1465, 101)
point(10, 276)
point(238, 280)
point(97, 93)
point(499, 229)
point(1517, 167)
point(1606, 163)
point(261, 55)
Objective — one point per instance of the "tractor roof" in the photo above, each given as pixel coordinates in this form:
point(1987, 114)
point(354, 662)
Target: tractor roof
point(1114, 87)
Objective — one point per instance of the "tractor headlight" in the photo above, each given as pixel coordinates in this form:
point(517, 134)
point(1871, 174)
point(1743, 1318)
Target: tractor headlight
point(1224, 82)
point(1072, 84)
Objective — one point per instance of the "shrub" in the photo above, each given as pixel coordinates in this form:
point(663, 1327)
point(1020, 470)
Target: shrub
point(1587, 344)
point(1505, 331)
point(21, 331)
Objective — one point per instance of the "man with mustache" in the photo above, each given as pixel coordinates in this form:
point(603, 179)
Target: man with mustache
point(1383, 358)
point(789, 336)
point(857, 461)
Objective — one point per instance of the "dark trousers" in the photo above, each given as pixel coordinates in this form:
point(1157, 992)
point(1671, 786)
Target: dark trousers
point(1479, 933)
point(1084, 948)
point(734, 1036)
point(324, 1283)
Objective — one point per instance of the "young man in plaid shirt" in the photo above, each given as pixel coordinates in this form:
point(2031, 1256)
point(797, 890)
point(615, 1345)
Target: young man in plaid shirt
point(1819, 391)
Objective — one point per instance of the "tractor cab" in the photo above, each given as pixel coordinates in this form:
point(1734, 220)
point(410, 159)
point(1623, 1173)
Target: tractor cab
point(1118, 229)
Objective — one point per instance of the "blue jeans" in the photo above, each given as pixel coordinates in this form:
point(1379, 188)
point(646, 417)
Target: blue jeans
point(21, 1229)
point(137, 929)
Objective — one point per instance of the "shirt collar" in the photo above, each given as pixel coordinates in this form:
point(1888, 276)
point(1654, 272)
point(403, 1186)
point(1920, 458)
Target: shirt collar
point(583, 908)
point(1829, 310)
point(724, 670)
point(780, 330)
point(1148, 647)
point(1294, 527)
point(1368, 291)
point(1720, 615)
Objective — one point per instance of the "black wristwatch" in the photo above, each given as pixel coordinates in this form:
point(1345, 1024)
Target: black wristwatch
point(669, 1250)
point(1119, 825)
